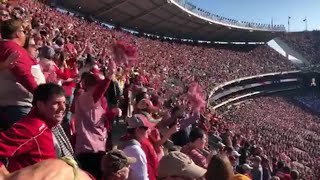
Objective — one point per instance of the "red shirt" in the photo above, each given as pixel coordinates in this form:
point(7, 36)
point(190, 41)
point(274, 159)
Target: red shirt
point(283, 176)
point(197, 157)
point(22, 68)
point(62, 74)
point(152, 159)
point(27, 142)
point(68, 86)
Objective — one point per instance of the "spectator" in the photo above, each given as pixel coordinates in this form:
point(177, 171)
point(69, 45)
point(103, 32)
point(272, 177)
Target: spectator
point(244, 152)
point(92, 114)
point(234, 159)
point(284, 174)
point(31, 46)
point(294, 175)
point(266, 168)
point(198, 141)
point(181, 137)
point(149, 150)
point(16, 96)
point(177, 165)
point(256, 172)
point(4, 15)
point(219, 168)
point(138, 127)
point(244, 170)
point(115, 165)
point(30, 140)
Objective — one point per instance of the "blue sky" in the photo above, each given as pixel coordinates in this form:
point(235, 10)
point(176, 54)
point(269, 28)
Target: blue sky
point(261, 11)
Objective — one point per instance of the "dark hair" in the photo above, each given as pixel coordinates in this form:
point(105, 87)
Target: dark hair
point(286, 169)
point(280, 165)
point(45, 91)
point(140, 96)
point(59, 41)
point(195, 134)
point(294, 175)
point(89, 79)
point(131, 131)
point(9, 27)
point(175, 109)
point(89, 60)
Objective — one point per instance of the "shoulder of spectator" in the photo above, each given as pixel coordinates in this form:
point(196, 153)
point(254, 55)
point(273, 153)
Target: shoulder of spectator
point(32, 126)
point(11, 47)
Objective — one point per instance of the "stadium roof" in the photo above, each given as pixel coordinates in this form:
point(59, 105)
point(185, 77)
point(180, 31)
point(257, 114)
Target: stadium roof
point(169, 18)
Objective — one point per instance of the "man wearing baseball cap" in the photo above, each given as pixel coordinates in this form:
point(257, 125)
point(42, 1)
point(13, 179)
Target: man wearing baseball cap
point(179, 165)
point(244, 172)
point(115, 165)
point(137, 132)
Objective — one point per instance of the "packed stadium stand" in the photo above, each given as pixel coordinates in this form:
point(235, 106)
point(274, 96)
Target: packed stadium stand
point(306, 43)
point(154, 88)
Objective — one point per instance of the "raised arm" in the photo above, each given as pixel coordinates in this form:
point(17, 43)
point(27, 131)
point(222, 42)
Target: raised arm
point(104, 85)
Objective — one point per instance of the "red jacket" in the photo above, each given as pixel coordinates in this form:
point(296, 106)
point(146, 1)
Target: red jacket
point(27, 142)
point(68, 86)
point(152, 159)
point(22, 69)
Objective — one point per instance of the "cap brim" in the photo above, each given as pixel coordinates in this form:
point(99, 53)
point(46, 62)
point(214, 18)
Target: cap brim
point(149, 124)
point(151, 119)
point(194, 171)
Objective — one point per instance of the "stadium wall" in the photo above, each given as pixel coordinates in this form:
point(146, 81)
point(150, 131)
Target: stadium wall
point(264, 84)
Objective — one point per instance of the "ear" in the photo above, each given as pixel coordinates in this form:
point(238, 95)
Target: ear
point(118, 173)
point(15, 35)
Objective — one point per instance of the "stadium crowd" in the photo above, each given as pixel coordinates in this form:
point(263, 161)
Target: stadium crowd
point(283, 129)
point(67, 81)
point(306, 43)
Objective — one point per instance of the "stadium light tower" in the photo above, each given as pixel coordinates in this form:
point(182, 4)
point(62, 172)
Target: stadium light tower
point(289, 23)
point(306, 23)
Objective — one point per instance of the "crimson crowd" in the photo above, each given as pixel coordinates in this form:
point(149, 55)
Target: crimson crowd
point(305, 43)
point(283, 129)
point(67, 82)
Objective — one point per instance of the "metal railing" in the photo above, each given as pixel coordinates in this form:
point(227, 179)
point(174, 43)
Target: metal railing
point(216, 18)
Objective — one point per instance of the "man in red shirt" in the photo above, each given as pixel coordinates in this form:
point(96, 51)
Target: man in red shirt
point(18, 82)
point(30, 140)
